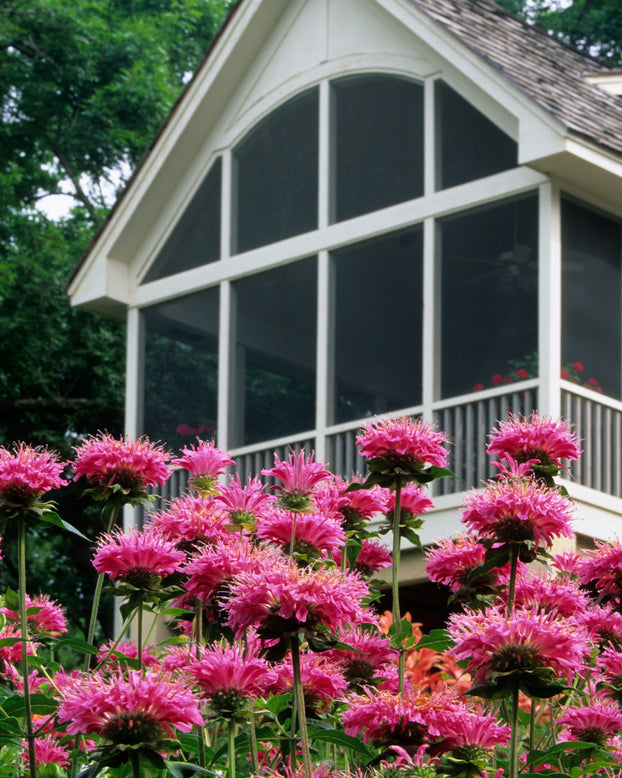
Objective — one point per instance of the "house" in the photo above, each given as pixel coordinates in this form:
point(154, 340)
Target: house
point(365, 207)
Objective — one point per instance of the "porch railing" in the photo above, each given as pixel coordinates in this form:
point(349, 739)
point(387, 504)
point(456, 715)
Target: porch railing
point(597, 422)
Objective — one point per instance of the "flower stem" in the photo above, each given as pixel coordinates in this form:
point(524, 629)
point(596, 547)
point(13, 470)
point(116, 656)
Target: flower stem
point(395, 577)
point(254, 751)
point(512, 583)
point(292, 542)
point(231, 734)
point(299, 695)
point(21, 543)
point(514, 735)
point(114, 512)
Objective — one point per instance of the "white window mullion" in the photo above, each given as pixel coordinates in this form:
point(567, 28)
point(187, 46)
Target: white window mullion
point(325, 194)
point(227, 220)
point(549, 305)
point(134, 374)
point(431, 319)
point(429, 138)
point(226, 371)
point(325, 367)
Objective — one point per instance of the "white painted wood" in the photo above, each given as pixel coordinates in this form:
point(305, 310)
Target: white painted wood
point(226, 377)
point(325, 372)
point(431, 320)
point(549, 300)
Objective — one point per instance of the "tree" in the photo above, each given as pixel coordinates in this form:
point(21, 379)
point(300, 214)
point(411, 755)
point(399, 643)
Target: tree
point(84, 88)
point(591, 26)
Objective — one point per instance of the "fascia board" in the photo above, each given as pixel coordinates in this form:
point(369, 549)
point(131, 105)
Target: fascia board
point(177, 144)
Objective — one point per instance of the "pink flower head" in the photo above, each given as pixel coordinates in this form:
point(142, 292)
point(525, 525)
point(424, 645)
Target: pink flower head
point(11, 644)
point(323, 680)
point(214, 566)
point(244, 505)
point(405, 443)
point(228, 676)
point(451, 561)
point(604, 626)
point(128, 707)
point(528, 640)
point(413, 500)
point(281, 599)
point(141, 559)
point(468, 731)
point(205, 463)
point(313, 532)
point(116, 656)
point(596, 722)
point(515, 511)
point(555, 595)
point(387, 718)
point(26, 474)
point(114, 465)
point(47, 751)
point(190, 521)
point(371, 655)
point(44, 616)
point(298, 475)
point(363, 505)
point(603, 567)
point(537, 437)
point(373, 556)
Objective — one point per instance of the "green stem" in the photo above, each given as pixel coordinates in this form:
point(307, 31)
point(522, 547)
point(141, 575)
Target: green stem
point(395, 577)
point(21, 544)
point(254, 750)
point(114, 512)
point(198, 638)
point(514, 735)
point(231, 734)
point(299, 695)
point(139, 636)
point(512, 584)
point(292, 541)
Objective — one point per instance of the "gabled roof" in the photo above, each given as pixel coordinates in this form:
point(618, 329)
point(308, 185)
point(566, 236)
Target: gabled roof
point(549, 72)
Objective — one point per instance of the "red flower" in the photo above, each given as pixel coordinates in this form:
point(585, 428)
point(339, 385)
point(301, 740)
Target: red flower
point(522, 373)
point(478, 387)
point(564, 375)
point(578, 366)
point(497, 379)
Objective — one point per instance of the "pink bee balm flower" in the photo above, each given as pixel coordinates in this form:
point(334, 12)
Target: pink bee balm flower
point(542, 438)
point(597, 722)
point(313, 532)
point(282, 599)
point(44, 616)
point(189, 522)
point(514, 511)
point(467, 732)
point(26, 474)
point(228, 677)
point(603, 566)
point(604, 626)
point(128, 707)
point(323, 680)
point(245, 505)
point(205, 463)
point(451, 561)
point(363, 505)
point(116, 656)
point(413, 501)
point(141, 559)
point(48, 751)
point(371, 655)
point(298, 475)
point(497, 644)
point(405, 442)
point(555, 595)
point(119, 464)
point(388, 718)
point(373, 556)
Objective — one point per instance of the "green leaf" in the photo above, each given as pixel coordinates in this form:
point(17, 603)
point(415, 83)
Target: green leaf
point(319, 734)
point(40, 704)
point(11, 599)
point(76, 644)
point(184, 770)
point(536, 757)
point(437, 639)
point(51, 517)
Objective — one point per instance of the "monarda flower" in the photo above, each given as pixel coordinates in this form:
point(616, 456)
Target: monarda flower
point(386, 718)
point(323, 680)
point(141, 559)
point(555, 595)
point(26, 474)
point(48, 751)
point(371, 655)
point(129, 707)
point(313, 533)
point(602, 567)
point(362, 506)
point(244, 505)
point(511, 511)
point(452, 560)
point(120, 655)
point(597, 722)
point(121, 467)
point(190, 522)
point(372, 556)
point(401, 450)
point(468, 733)
point(537, 437)
point(298, 475)
point(44, 616)
point(229, 676)
point(283, 599)
point(604, 626)
point(205, 463)
point(531, 649)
